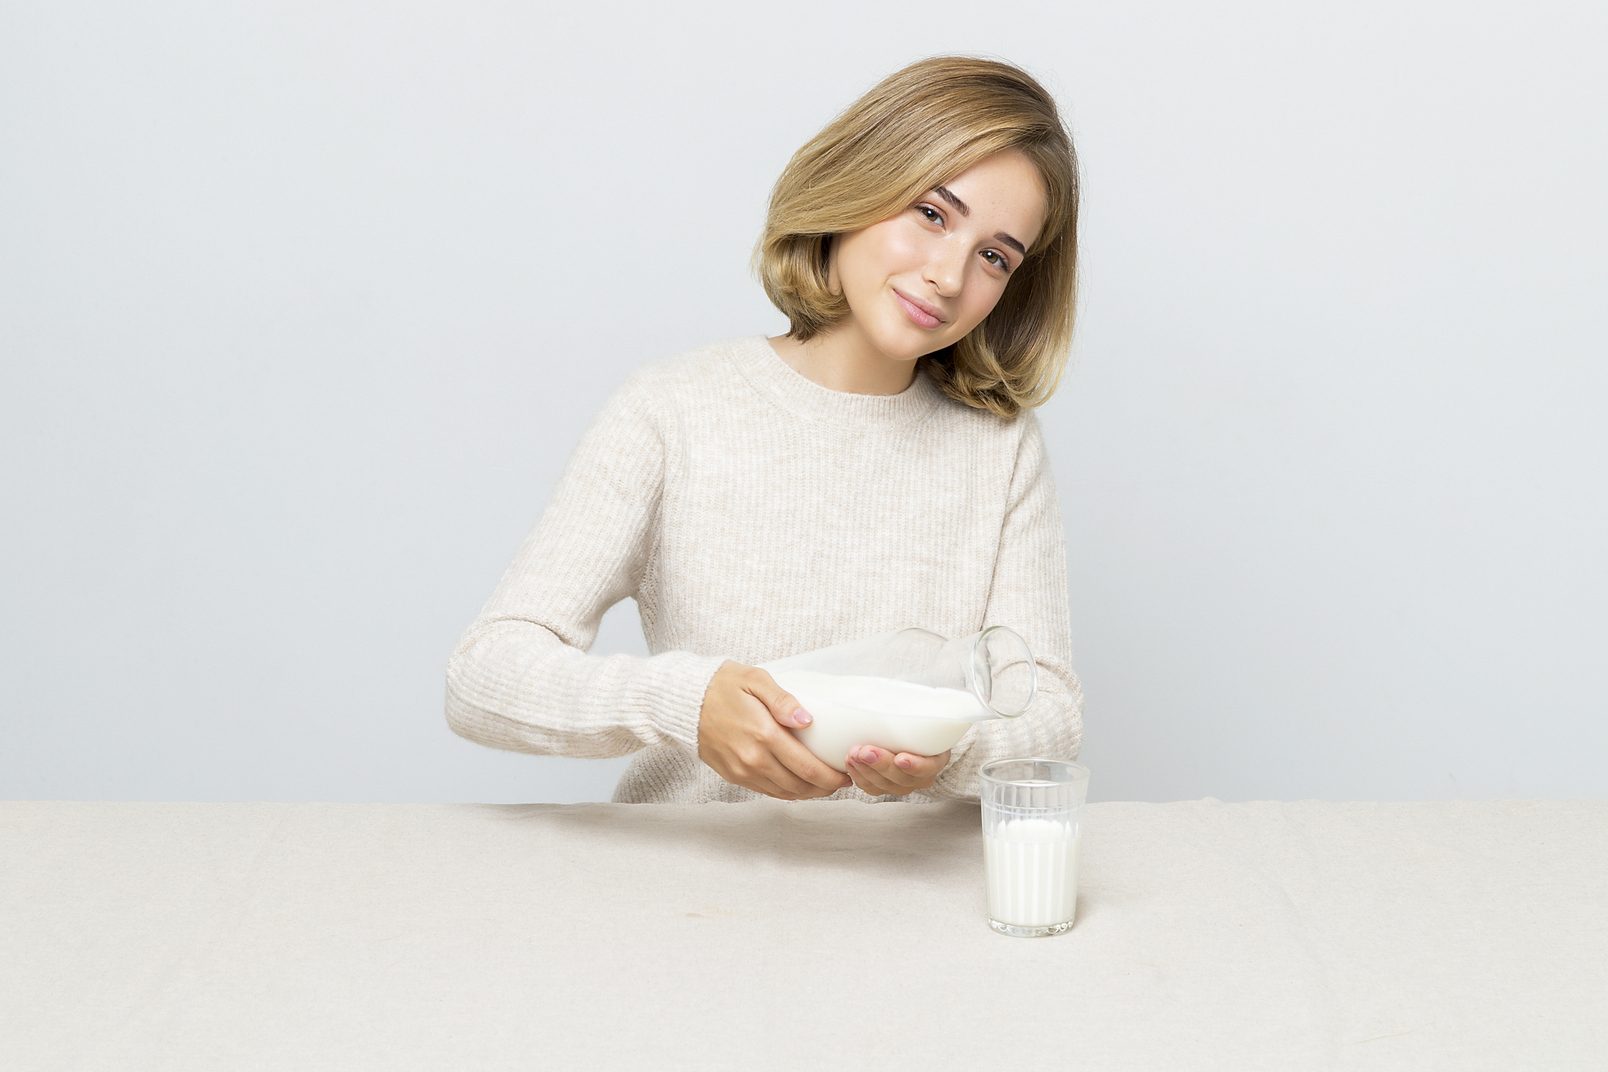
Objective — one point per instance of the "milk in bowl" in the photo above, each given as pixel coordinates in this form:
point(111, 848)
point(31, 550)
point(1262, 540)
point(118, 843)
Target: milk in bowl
point(857, 709)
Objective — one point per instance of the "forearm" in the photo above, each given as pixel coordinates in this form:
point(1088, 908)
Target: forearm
point(514, 684)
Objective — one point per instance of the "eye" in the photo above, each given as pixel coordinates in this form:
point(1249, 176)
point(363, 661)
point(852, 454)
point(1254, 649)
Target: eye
point(1002, 263)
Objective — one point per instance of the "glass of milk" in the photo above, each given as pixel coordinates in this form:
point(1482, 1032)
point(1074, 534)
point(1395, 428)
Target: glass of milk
point(1031, 812)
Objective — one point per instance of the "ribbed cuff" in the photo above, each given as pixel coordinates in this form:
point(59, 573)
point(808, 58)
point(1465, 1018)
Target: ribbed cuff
point(959, 780)
point(679, 693)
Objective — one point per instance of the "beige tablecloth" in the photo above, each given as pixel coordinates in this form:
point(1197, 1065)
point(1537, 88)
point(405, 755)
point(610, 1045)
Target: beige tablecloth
point(1288, 936)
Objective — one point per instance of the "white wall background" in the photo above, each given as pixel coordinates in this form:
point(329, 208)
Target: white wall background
point(303, 307)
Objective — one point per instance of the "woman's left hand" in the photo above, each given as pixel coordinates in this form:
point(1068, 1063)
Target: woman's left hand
point(893, 772)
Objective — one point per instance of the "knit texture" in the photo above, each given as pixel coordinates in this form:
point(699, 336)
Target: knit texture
point(753, 513)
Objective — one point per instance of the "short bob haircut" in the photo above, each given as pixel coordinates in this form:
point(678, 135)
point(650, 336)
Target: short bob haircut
point(917, 128)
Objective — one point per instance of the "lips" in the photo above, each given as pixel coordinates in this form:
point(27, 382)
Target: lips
point(923, 306)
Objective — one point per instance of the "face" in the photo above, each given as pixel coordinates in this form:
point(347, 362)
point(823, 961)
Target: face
point(954, 254)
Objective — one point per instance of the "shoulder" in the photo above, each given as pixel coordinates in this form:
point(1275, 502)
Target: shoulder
point(988, 431)
point(1031, 465)
point(1012, 450)
point(664, 384)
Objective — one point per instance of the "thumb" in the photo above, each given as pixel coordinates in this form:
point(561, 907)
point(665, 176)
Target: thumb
point(784, 706)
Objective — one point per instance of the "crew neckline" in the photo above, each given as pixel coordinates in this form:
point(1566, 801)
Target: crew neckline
point(769, 371)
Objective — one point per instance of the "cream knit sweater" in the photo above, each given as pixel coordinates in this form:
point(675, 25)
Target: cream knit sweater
point(753, 513)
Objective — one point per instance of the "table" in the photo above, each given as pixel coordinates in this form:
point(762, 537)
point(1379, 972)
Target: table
point(778, 935)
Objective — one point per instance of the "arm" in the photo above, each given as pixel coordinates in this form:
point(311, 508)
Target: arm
point(520, 677)
point(1028, 594)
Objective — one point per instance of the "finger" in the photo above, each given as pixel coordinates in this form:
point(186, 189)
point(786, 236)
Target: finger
point(870, 778)
point(923, 767)
point(783, 706)
point(778, 774)
point(774, 780)
point(759, 784)
point(865, 779)
point(792, 788)
point(921, 770)
point(782, 787)
point(802, 765)
point(880, 760)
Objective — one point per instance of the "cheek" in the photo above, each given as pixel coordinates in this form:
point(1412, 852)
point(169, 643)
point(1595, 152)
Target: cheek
point(896, 246)
point(907, 245)
point(874, 258)
point(977, 310)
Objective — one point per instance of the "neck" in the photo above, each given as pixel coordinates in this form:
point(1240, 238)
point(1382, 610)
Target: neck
point(845, 360)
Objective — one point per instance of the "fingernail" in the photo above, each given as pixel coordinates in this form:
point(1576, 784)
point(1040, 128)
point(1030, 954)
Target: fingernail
point(871, 755)
point(802, 717)
point(904, 761)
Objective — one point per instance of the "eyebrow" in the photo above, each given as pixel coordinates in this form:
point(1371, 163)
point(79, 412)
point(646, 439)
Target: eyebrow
point(944, 192)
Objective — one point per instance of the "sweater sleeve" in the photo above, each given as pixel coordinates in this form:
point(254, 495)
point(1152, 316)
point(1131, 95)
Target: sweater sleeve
point(521, 677)
point(1029, 595)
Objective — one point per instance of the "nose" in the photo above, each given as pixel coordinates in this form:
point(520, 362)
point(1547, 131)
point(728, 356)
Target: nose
point(945, 270)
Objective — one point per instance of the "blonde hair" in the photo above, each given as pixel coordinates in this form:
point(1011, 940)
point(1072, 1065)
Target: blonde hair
point(914, 130)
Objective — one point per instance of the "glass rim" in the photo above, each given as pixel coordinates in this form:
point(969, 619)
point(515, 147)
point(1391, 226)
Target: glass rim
point(1077, 772)
point(980, 644)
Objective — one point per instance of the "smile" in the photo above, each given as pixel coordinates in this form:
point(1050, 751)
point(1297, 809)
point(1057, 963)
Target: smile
point(919, 314)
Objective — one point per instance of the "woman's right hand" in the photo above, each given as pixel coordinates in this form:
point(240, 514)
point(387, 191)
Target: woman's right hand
point(743, 735)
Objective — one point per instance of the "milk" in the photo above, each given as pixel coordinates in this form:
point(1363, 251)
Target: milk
point(900, 716)
point(1032, 871)
point(837, 694)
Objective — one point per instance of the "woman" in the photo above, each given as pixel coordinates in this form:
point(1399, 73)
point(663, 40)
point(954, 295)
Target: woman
point(878, 466)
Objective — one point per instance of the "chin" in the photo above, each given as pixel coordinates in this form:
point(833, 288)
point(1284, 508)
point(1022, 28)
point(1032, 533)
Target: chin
point(905, 343)
point(914, 351)
point(908, 353)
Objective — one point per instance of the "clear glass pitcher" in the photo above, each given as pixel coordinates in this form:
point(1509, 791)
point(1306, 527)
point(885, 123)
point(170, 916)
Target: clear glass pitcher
point(911, 690)
point(994, 665)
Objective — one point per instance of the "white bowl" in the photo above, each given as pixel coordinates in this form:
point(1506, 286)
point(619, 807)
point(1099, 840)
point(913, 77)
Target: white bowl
point(898, 716)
